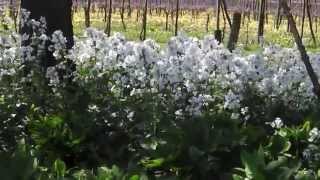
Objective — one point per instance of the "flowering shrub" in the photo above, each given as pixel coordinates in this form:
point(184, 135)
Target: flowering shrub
point(191, 110)
point(199, 73)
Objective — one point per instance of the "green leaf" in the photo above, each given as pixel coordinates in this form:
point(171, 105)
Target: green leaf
point(54, 121)
point(278, 145)
point(154, 163)
point(304, 175)
point(143, 177)
point(135, 177)
point(276, 164)
point(60, 168)
point(254, 164)
point(306, 126)
point(289, 172)
point(237, 177)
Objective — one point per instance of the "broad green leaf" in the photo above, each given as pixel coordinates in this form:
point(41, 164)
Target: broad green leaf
point(253, 165)
point(135, 177)
point(278, 145)
point(59, 168)
point(276, 164)
point(153, 163)
point(237, 177)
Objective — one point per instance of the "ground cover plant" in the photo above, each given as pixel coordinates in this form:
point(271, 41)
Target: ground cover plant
point(117, 109)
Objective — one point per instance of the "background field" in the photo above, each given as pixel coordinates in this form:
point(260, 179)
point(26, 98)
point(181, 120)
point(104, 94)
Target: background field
point(196, 28)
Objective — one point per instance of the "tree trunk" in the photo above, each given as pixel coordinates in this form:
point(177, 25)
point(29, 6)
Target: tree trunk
point(177, 18)
point(129, 8)
point(144, 22)
point(58, 17)
point(235, 30)
point(304, 56)
point(303, 17)
point(261, 21)
point(207, 22)
point(11, 9)
point(13, 13)
point(310, 23)
point(167, 19)
point(218, 32)
point(108, 28)
point(225, 10)
point(105, 8)
point(87, 8)
point(122, 15)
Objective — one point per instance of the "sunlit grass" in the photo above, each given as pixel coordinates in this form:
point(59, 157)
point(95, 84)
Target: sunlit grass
point(196, 27)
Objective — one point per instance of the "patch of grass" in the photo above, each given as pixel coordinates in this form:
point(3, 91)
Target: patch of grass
point(193, 27)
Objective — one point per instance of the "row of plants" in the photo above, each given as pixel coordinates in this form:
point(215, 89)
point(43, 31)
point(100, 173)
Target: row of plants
point(114, 109)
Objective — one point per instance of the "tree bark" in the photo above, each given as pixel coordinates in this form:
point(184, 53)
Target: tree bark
point(87, 8)
point(303, 17)
point(122, 15)
point(218, 32)
point(177, 18)
point(144, 22)
point(310, 23)
point(129, 8)
point(304, 56)
point(235, 30)
point(225, 10)
point(108, 28)
point(13, 13)
point(261, 21)
point(58, 17)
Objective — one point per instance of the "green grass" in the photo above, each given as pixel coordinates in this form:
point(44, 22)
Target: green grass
point(194, 27)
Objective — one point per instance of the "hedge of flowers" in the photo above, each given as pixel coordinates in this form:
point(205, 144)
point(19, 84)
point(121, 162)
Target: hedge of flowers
point(191, 110)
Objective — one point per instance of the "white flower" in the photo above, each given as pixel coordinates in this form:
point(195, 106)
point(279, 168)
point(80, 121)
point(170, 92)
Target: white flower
point(232, 101)
point(130, 116)
point(53, 76)
point(314, 135)
point(277, 123)
point(244, 110)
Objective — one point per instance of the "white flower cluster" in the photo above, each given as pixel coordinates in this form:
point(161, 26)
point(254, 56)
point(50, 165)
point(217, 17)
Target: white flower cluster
point(277, 123)
point(198, 67)
point(196, 72)
point(59, 44)
point(314, 135)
